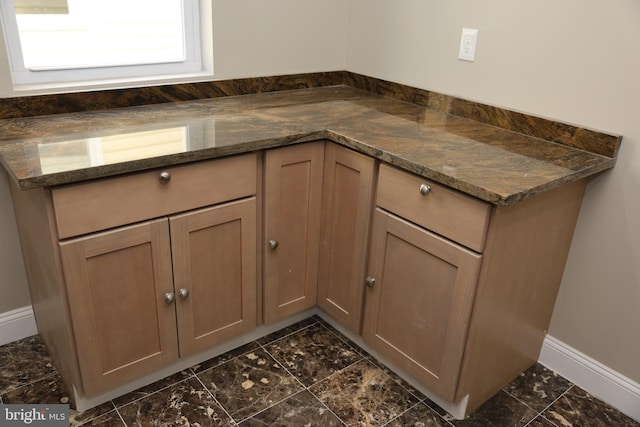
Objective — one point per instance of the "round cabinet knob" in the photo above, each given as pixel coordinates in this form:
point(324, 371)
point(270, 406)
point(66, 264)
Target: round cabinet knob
point(165, 177)
point(370, 281)
point(425, 189)
point(183, 293)
point(273, 243)
point(169, 297)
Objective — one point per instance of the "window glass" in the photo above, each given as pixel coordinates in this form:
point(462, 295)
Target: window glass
point(98, 33)
point(52, 41)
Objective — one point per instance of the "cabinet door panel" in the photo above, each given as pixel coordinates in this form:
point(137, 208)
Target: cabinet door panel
point(346, 213)
point(417, 312)
point(214, 256)
point(116, 282)
point(293, 197)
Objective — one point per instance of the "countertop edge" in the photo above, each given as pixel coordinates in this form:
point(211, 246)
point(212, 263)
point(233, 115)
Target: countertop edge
point(138, 166)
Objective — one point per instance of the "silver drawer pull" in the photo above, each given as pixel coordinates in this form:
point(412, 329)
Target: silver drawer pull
point(273, 243)
point(165, 177)
point(169, 297)
point(184, 293)
point(425, 189)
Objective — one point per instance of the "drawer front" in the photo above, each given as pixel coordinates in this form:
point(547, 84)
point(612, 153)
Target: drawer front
point(447, 212)
point(99, 205)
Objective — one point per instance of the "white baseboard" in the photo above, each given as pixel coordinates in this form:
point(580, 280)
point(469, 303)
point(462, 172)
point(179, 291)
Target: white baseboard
point(592, 376)
point(17, 324)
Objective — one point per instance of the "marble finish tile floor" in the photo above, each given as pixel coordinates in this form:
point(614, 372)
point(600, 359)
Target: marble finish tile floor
point(307, 374)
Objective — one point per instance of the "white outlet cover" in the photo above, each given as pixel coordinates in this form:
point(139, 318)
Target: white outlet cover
point(468, 44)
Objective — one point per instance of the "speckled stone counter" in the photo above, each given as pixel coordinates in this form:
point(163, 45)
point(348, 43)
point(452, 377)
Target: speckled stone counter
point(495, 164)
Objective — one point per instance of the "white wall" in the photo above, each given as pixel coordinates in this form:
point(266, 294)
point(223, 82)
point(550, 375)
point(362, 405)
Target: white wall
point(566, 60)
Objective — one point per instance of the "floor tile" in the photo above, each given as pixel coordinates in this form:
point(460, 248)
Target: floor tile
point(110, 419)
point(77, 418)
point(541, 421)
point(538, 387)
point(301, 409)
point(313, 354)
point(343, 337)
point(419, 415)
point(249, 384)
point(22, 362)
point(363, 394)
point(225, 357)
point(187, 403)
point(47, 390)
point(397, 378)
point(577, 408)
point(501, 410)
point(151, 388)
point(288, 330)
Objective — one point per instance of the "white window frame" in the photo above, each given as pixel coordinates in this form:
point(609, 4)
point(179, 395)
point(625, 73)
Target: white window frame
point(198, 65)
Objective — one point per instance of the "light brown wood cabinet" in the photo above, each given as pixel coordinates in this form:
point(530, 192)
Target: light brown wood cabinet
point(214, 273)
point(293, 198)
point(129, 274)
point(346, 218)
point(171, 284)
point(116, 282)
point(418, 309)
point(461, 292)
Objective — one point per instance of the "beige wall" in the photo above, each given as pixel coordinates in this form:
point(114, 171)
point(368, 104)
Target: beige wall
point(566, 60)
point(13, 282)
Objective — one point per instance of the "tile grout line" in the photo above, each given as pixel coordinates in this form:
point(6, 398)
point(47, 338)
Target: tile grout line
point(25, 384)
point(97, 416)
point(305, 388)
point(368, 359)
point(120, 416)
point(374, 361)
point(550, 405)
point(150, 394)
point(287, 335)
point(215, 399)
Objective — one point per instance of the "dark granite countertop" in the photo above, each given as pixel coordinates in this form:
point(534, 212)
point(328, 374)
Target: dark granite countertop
point(497, 165)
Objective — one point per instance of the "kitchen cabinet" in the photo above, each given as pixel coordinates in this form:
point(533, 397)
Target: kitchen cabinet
point(419, 304)
point(154, 267)
point(127, 288)
point(460, 292)
point(346, 218)
point(293, 198)
point(214, 270)
point(422, 284)
point(116, 284)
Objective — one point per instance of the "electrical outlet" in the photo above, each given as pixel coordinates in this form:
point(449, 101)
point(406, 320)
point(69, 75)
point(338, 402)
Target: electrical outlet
point(468, 44)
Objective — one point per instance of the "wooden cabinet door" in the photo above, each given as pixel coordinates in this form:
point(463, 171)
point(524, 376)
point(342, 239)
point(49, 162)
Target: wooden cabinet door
point(418, 310)
point(214, 258)
point(116, 283)
point(293, 198)
point(346, 214)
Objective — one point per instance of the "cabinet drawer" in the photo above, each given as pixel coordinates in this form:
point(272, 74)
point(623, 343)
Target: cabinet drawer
point(456, 216)
point(99, 205)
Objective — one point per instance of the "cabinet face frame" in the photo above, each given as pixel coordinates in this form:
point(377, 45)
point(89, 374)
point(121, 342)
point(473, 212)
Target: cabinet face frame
point(293, 200)
point(387, 331)
point(216, 248)
point(346, 217)
point(98, 292)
